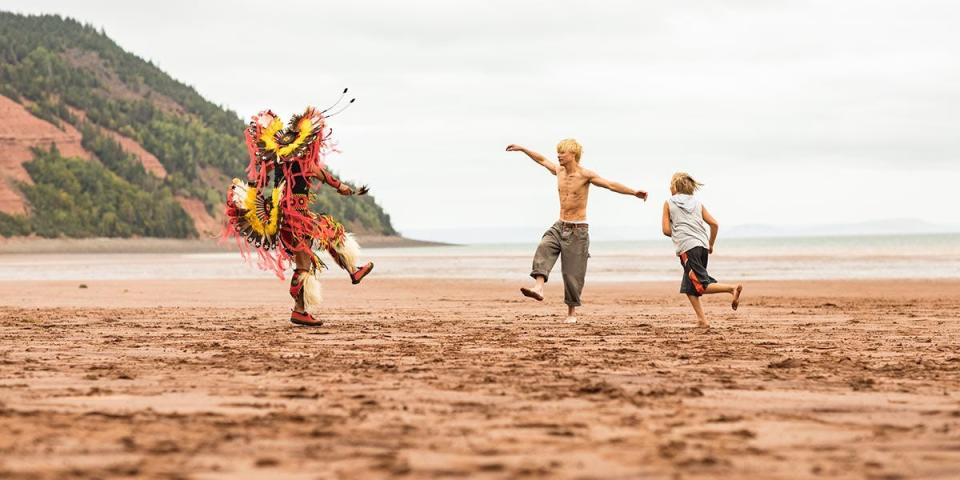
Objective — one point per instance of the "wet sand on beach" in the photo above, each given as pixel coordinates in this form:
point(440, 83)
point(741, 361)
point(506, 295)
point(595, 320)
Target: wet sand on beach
point(207, 379)
point(206, 244)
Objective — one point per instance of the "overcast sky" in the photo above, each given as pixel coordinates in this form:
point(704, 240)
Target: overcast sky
point(791, 112)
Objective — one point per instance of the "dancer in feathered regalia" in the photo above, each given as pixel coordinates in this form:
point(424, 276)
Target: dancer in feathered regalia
point(280, 226)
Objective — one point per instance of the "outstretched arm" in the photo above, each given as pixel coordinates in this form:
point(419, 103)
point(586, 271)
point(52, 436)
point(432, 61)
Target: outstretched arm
point(665, 223)
point(342, 188)
point(535, 156)
point(714, 226)
point(614, 186)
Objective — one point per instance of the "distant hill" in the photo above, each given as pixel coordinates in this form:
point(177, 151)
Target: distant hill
point(903, 226)
point(97, 142)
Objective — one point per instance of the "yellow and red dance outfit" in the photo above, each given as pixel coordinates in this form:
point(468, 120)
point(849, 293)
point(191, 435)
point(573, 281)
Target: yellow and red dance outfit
point(281, 225)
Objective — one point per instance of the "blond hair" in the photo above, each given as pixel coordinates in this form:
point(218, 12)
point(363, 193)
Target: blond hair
point(682, 182)
point(570, 145)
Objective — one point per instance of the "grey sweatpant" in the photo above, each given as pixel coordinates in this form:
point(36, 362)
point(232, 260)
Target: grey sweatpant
point(570, 242)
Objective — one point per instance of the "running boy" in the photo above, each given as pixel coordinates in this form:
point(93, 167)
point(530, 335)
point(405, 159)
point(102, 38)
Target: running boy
point(683, 221)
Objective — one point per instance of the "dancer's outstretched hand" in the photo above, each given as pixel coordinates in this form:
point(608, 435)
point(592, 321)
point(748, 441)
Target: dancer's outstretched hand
point(513, 147)
point(641, 195)
point(345, 189)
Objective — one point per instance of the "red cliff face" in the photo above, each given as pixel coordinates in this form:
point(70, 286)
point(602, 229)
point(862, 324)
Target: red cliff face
point(150, 162)
point(19, 131)
point(207, 226)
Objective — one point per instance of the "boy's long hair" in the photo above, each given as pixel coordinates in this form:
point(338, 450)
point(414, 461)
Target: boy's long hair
point(682, 182)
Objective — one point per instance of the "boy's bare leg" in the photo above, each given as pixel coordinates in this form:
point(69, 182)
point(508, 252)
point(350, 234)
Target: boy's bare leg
point(701, 319)
point(548, 251)
point(536, 290)
point(571, 314)
point(734, 290)
point(538, 285)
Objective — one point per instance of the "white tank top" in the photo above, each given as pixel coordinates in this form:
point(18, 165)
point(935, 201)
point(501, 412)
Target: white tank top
point(686, 223)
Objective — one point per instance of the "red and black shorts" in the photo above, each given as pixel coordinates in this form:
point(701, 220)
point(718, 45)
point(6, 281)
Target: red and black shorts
point(695, 276)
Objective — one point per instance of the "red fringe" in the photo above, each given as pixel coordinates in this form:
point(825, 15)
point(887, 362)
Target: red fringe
point(299, 229)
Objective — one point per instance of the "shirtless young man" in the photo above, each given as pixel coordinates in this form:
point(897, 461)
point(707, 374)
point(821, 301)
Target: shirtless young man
point(568, 238)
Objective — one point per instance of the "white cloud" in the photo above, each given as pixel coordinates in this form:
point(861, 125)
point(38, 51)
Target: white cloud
point(765, 100)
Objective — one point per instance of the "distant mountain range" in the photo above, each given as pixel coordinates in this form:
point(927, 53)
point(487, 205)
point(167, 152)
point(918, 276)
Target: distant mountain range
point(904, 226)
point(490, 235)
point(97, 142)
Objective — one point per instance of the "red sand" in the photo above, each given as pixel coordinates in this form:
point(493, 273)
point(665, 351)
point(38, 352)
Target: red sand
point(203, 379)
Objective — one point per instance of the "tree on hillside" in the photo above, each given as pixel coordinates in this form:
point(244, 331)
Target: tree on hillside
point(59, 66)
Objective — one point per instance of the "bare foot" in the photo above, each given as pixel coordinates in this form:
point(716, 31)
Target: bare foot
point(736, 297)
point(570, 320)
point(703, 324)
point(534, 293)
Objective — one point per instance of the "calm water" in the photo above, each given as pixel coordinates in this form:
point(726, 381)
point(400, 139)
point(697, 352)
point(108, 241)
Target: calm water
point(914, 256)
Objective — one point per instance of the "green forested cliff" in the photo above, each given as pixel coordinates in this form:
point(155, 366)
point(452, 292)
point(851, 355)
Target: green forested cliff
point(69, 73)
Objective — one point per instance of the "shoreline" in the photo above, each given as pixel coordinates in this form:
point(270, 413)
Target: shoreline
point(39, 246)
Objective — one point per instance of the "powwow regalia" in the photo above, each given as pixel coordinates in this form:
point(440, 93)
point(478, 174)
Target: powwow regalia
point(279, 225)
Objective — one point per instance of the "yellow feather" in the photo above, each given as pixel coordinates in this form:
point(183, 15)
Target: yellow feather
point(250, 204)
point(306, 128)
point(275, 211)
point(267, 135)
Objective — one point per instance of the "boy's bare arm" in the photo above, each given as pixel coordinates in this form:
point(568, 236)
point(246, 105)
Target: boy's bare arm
point(714, 226)
point(614, 186)
point(665, 223)
point(535, 156)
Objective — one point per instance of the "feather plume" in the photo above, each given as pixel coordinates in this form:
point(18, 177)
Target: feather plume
point(238, 193)
point(312, 293)
point(349, 250)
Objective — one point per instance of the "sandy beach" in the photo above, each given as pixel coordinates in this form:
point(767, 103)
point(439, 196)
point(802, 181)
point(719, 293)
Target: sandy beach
point(159, 186)
point(200, 379)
